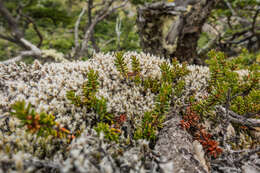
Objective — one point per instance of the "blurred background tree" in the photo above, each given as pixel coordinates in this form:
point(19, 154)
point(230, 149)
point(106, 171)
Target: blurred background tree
point(62, 25)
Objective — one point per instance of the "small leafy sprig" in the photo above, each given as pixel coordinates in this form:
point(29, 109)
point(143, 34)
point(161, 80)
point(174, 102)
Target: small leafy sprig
point(90, 87)
point(136, 74)
point(121, 64)
point(42, 124)
point(109, 132)
point(88, 97)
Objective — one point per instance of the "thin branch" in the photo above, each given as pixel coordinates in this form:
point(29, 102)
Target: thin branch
point(30, 20)
point(234, 117)
point(10, 20)
point(76, 29)
point(174, 31)
point(254, 20)
point(99, 4)
point(226, 118)
point(107, 42)
point(230, 7)
point(92, 38)
point(48, 166)
point(34, 51)
point(7, 38)
point(248, 153)
point(118, 31)
point(45, 164)
point(242, 40)
point(100, 15)
point(19, 57)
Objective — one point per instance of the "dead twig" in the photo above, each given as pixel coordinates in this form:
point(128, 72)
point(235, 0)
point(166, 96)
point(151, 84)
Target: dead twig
point(234, 117)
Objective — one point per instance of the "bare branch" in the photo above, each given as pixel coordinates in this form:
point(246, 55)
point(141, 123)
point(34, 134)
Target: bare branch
point(174, 31)
point(19, 57)
point(99, 4)
point(226, 119)
point(76, 29)
point(100, 15)
point(248, 153)
point(118, 31)
point(7, 38)
point(90, 8)
point(254, 20)
point(47, 166)
point(34, 51)
point(107, 42)
point(30, 20)
point(234, 117)
point(11, 21)
point(230, 7)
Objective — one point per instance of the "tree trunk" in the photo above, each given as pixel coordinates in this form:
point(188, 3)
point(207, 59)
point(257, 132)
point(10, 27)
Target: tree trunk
point(169, 30)
point(176, 145)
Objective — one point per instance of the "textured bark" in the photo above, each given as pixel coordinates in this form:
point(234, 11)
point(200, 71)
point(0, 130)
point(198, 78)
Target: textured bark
point(151, 22)
point(193, 22)
point(176, 144)
point(173, 29)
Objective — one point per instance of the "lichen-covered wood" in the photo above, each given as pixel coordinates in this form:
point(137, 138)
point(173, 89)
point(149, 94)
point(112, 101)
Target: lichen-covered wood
point(173, 29)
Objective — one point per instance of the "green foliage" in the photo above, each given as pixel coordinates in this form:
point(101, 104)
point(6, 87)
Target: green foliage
point(223, 10)
point(224, 81)
point(151, 83)
point(203, 40)
point(178, 71)
point(75, 99)
point(91, 86)
point(100, 107)
point(166, 72)
point(120, 64)
point(106, 35)
point(136, 70)
point(178, 88)
point(163, 98)
point(240, 20)
point(246, 105)
point(88, 97)
point(245, 60)
point(40, 123)
point(109, 133)
point(151, 122)
point(55, 20)
point(89, 100)
point(162, 87)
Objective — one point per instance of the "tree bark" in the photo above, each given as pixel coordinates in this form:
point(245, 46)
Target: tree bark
point(193, 22)
point(176, 144)
point(170, 30)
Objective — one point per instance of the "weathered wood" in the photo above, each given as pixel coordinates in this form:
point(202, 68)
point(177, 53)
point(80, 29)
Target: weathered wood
point(173, 29)
point(176, 144)
point(193, 22)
